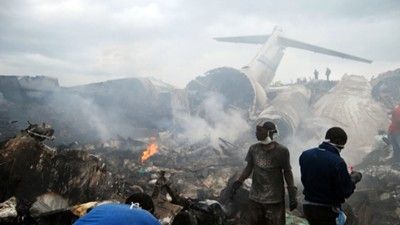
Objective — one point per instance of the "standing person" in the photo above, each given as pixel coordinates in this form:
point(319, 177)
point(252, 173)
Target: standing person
point(270, 163)
point(316, 73)
point(326, 180)
point(394, 133)
point(327, 73)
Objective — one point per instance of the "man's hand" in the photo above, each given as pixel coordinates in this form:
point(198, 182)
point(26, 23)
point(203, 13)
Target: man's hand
point(236, 185)
point(355, 177)
point(293, 205)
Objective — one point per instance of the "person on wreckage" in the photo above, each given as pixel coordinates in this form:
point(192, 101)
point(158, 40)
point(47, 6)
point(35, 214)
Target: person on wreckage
point(394, 134)
point(269, 162)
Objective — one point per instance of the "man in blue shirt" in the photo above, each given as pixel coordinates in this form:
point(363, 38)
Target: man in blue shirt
point(326, 180)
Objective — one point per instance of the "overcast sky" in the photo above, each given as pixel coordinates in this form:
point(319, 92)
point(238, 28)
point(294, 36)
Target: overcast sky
point(82, 41)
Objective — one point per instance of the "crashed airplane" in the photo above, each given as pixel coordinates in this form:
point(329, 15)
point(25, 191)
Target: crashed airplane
point(255, 80)
point(112, 136)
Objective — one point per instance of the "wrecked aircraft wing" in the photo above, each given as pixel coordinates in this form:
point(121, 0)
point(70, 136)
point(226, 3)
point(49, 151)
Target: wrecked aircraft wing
point(250, 39)
point(148, 99)
point(301, 45)
point(125, 107)
point(350, 105)
point(287, 42)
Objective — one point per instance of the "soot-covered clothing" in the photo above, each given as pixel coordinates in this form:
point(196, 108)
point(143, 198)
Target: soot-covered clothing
point(269, 163)
point(264, 214)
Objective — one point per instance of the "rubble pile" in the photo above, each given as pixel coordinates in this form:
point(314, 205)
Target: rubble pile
point(100, 172)
point(36, 176)
point(95, 159)
point(196, 169)
point(29, 169)
point(376, 200)
point(385, 88)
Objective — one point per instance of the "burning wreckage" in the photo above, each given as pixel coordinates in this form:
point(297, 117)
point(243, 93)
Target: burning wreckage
point(185, 147)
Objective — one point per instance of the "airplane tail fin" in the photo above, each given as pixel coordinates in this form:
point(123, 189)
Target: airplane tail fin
point(286, 42)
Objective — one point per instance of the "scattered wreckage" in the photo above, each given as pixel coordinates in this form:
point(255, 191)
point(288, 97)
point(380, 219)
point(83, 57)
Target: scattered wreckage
point(44, 185)
point(54, 185)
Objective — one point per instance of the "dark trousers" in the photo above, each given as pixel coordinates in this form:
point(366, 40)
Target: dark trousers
point(394, 139)
point(319, 215)
point(264, 214)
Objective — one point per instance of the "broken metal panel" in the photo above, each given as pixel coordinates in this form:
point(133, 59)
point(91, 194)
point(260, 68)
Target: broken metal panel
point(230, 83)
point(288, 109)
point(47, 203)
point(8, 210)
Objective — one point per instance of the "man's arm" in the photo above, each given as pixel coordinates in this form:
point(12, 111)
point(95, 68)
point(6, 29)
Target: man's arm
point(288, 175)
point(249, 167)
point(246, 172)
point(289, 179)
point(287, 169)
point(344, 182)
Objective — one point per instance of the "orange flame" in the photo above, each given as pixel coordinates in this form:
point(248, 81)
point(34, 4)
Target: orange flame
point(152, 148)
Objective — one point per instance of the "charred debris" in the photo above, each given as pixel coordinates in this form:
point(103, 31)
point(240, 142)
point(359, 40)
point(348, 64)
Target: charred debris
point(103, 147)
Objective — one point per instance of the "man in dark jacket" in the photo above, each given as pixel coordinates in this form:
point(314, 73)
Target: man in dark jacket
point(326, 180)
point(270, 164)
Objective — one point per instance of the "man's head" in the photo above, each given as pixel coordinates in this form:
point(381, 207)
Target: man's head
point(265, 130)
point(336, 136)
point(144, 200)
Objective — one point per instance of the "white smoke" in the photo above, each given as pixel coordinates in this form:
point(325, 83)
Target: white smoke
point(211, 122)
point(2, 99)
point(82, 114)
